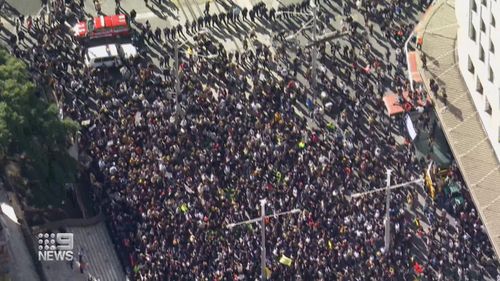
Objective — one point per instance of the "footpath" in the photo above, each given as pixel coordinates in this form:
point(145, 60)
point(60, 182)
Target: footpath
point(459, 117)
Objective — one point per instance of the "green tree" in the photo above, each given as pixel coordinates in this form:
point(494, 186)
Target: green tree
point(32, 133)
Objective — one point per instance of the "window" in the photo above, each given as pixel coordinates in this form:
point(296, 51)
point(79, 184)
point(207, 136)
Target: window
point(483, 26)
point(479, 86)
point(487, 106)
point(472, 32)
point(481, 53)
point(492, 47)
point(473, 5)
point(493, 21)
point(470, 66)
point(491, 75)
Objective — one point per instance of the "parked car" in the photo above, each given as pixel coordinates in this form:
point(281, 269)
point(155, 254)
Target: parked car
point(454, 197)
point(111, 55)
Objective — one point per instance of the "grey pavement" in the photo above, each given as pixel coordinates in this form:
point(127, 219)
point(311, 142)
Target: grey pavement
point(462, 125)
point(99, 257)
point(21, 266)
point(25, 7)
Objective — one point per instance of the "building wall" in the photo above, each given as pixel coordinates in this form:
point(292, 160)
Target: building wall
point(478, 48)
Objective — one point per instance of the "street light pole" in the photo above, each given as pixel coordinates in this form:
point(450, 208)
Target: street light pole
point(177, 46)
point(387, 189)
point(387, 237)
point(263, 237)
point(177, 80)
point(261, 219)
point(314, 50)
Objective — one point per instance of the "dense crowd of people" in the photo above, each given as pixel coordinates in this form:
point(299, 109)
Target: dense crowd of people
point(174, 178)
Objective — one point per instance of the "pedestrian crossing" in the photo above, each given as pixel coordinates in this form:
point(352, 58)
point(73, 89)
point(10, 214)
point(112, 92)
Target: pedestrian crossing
point(99, 258)
point(98, 251)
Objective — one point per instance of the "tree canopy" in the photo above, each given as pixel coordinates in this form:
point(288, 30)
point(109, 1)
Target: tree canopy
point(32, 134)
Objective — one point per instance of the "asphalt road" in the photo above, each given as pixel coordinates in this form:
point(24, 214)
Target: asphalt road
point(26, 7)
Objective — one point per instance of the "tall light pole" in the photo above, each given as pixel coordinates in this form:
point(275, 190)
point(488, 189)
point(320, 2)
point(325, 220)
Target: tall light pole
point(177, 81)
point(262, 219)
point(314, 51)
point(387, 189)
point(263, 239)
point(387, 236)
point(314, 55)
point(314, 44)
point(177, 87)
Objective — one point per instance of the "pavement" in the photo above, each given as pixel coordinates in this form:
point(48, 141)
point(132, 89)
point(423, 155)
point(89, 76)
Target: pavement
point(460, 120)
point(99, 257)
point(26, 7)
point(21, 266)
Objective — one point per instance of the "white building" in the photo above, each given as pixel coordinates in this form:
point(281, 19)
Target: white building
point(478, 48)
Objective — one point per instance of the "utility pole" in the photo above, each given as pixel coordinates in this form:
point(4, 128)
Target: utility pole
point(262, 219)
point(314, 51)
point(263, 239)
point(177, 81)
point(177, 46)
point(387, 189)
point(387, 236)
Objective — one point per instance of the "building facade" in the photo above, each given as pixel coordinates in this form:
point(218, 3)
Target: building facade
point(478, 48)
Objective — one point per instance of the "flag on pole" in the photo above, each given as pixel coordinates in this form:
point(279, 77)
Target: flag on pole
point(286, 260)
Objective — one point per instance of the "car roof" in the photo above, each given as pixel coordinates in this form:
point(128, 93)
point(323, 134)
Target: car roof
point(109, 50)
point(129, 50)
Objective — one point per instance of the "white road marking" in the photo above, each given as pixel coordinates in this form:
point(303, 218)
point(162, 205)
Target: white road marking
point(147, 15)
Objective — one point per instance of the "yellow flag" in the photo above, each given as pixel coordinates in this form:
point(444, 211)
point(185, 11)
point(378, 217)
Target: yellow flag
point(330, 244)
point(184, 207)
point(286, 260)
point(278, 176)
point(268, 272)
point(302, 144)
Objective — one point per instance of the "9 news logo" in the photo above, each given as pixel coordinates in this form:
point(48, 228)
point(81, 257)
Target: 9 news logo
point(55, 246)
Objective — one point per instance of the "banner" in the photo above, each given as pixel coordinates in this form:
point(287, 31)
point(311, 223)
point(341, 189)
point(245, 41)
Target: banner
point(428, 181)
point(410, 128)
point(286, 260)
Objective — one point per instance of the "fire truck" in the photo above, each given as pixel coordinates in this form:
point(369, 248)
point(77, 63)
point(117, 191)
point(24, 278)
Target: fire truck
point(103, 26)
